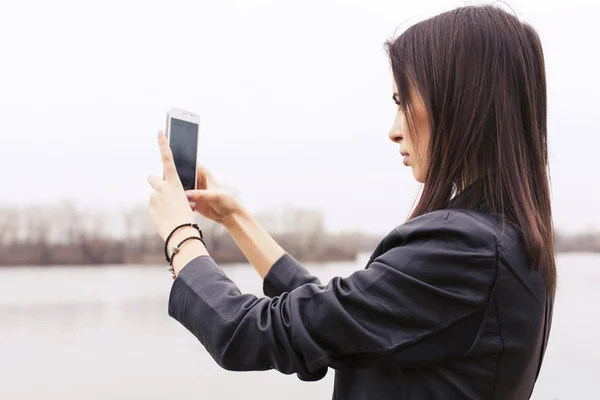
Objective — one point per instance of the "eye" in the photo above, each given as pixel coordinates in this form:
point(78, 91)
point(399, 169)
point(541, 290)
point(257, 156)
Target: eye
point(396, 98)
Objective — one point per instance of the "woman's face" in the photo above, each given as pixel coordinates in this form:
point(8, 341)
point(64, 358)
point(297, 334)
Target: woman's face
point(413, 143)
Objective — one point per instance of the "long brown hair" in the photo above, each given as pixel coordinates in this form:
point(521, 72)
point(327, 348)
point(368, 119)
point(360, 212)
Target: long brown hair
point(480, 73)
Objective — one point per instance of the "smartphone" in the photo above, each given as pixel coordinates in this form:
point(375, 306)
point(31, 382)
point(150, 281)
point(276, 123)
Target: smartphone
point(182, 133)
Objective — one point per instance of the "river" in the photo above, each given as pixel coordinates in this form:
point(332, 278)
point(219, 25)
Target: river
point(104, 333)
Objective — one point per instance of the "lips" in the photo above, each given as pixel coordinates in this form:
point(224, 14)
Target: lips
point(405, 158)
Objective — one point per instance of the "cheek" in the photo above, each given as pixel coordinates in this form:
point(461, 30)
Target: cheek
point(423, 149)
point(406, 134)
point(398, 125)
point(424, 136)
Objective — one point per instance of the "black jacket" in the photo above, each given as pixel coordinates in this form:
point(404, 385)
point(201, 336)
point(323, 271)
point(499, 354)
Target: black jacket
point(447, 308)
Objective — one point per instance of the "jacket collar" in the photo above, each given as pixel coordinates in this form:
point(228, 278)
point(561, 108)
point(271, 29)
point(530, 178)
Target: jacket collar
point(472, 198)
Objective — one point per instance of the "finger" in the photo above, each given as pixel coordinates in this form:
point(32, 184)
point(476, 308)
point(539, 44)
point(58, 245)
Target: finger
point(156, 182)
point(205, 179)
point(201, 176)
point(166, 155)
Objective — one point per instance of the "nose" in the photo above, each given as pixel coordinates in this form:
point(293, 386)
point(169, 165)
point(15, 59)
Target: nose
point(395, 136)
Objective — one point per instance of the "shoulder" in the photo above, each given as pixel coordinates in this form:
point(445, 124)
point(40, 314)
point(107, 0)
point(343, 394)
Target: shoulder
point(450, 251)
point(470, 228)
point(449, 228)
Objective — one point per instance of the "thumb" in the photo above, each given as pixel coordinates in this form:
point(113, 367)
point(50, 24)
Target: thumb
point(202, 195)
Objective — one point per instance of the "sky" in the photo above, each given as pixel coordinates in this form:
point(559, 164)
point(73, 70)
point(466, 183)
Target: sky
point(294, 99)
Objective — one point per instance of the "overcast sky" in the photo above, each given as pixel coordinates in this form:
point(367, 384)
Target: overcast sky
point(294, 99)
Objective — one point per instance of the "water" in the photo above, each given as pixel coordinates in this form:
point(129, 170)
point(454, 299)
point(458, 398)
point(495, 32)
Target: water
point(104, 333)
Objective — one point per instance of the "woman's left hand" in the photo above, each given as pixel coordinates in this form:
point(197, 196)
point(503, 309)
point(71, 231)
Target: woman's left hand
point(169, 206)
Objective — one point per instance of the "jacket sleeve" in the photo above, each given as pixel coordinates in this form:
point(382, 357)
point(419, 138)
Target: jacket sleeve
point(421, 302)
point(286, 275)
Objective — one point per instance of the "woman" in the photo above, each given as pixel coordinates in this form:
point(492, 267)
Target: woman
point(456, 303)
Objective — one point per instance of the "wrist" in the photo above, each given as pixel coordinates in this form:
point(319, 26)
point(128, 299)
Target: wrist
point(255, 242)
point(188, 251)
point(181, 234)
point(236, 219)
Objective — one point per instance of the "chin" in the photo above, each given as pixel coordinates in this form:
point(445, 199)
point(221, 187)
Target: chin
point(418, 176)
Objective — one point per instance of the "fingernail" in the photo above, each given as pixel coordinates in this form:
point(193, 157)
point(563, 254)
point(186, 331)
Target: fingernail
point(192, 204)
point(189, 195)
point(160, 133)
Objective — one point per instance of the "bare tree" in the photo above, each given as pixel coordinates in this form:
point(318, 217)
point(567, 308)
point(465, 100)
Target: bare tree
point(139, 234)
point(8, 225)
point(8, 218)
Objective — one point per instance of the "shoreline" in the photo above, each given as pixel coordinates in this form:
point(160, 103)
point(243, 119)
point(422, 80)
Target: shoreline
point(361, 258)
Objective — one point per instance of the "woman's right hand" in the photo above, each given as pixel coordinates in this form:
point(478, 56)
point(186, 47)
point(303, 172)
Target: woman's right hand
point(215, 203)
point(210, 200)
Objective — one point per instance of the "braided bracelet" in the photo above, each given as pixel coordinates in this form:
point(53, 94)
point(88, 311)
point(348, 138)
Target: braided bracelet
point(176, 251)
point(173, 231)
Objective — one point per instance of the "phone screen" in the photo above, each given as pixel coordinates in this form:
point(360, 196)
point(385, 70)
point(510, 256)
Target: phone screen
point(183, 138)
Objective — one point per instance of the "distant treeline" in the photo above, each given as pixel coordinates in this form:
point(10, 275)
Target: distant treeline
point(64, 235)
point(578, 242)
